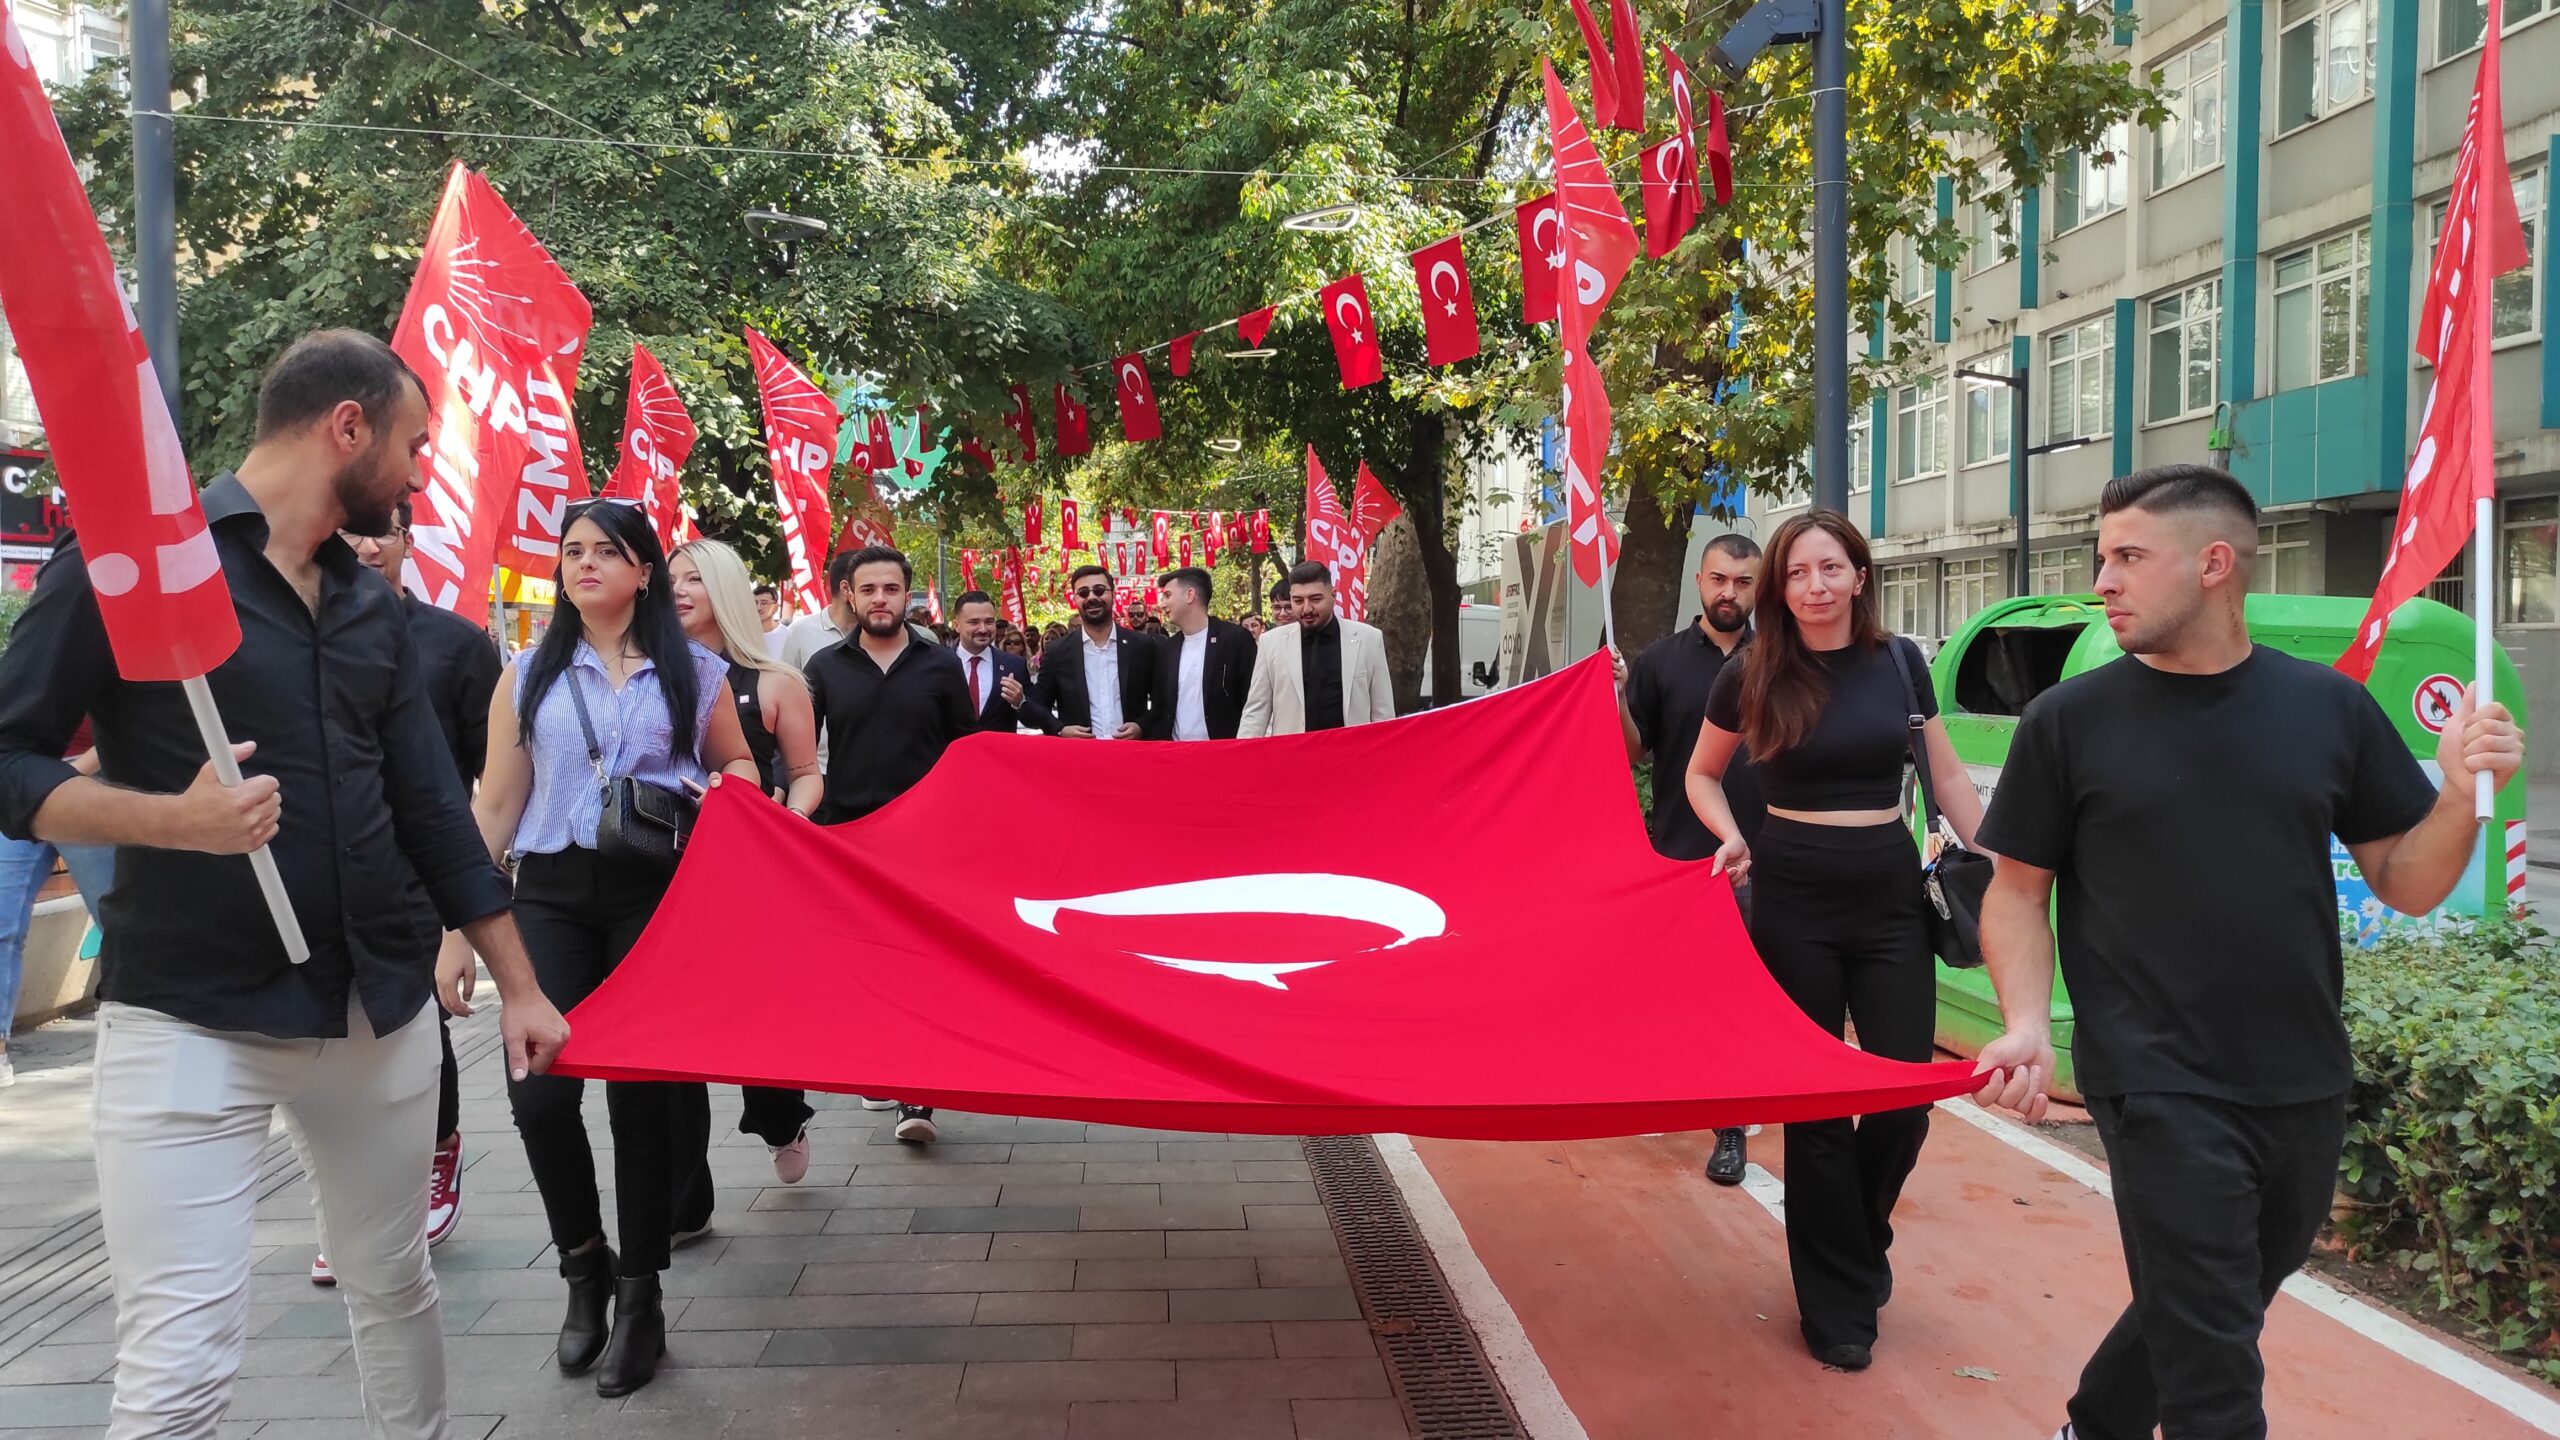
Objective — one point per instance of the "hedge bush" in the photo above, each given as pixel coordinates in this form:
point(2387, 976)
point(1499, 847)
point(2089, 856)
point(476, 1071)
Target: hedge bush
point(11, 602)
point(2453, 1134)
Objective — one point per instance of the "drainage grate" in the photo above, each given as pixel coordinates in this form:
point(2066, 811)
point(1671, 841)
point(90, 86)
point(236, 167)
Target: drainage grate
point(1447, 1387)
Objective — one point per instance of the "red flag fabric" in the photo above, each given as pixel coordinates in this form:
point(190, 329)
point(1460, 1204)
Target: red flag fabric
point(1599, 241)
point(1718, 149)
point(1181, 359)
point(1254, 324)
point(977, 450)
point(1670, 171)
point(1449, 332)
point(1541, 258)
point(1604, 68)
point(1408, 987)
point(1626, 49)
point(867, 523)
point(1355, 331)
point(968, 569)
point(1031, 523)
point(2455, 464)
point(555, 473)
point(1182, 548)
point(151, 562)
point(1018, 420)
point(1212, 538)
point(1334, 538)
point(1586, 450)
point(876, 443)
point(1372, 508)
point(1074, 438)
point(1160, 534)
point(1014, 610)
point(1139, 421)
point(1259, 535)
point(657, 436)
point(800, 441)
point(1068, 539)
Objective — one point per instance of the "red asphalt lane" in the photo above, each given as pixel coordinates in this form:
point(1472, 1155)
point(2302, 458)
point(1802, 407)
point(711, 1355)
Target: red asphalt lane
point(1661, 1307)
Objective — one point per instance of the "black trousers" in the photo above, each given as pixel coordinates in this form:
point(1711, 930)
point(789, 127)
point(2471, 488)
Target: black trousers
point(773, 1116)
point(2218, 1203)
point(579, 918)
point(1836, 912)
point(449, 1086)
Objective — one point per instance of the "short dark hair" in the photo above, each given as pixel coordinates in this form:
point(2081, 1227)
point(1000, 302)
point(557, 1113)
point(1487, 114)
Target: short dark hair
point(403, 513)
point(2168, 489)
point(1310, 572)
point(761, 589)
point(1280, 589)
point(973, 597)
point(839, 571)
point(1191, 576)
point(1740, 547)
point(878, 555)
point(326, 367)
point(1082, 571)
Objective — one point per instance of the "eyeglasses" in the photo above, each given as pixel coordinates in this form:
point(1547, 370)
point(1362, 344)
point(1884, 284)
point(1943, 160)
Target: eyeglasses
point(1090, 592)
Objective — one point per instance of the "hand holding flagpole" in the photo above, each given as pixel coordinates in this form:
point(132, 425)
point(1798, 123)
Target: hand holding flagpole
point(262, 862)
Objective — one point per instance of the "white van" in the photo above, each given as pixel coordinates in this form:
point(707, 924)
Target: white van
point(1479, 652)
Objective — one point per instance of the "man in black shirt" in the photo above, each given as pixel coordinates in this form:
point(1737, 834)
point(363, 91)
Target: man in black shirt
point(1662, 702)
point(205, 1029)
point(2184, 797)
point(891, 704)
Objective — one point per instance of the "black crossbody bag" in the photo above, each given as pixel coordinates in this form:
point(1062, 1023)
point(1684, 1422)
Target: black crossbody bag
point(643, 825)
point(1958, 878)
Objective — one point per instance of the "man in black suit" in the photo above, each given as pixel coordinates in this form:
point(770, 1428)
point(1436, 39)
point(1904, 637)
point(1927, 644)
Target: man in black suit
point(1204, 665)
point(999, 684)
point(1096, 679)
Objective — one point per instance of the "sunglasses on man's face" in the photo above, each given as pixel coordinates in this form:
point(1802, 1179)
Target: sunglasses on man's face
point(1091, 593)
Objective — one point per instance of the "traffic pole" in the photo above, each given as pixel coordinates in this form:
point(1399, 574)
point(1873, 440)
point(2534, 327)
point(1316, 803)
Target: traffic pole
point(1831, 260)
point(155, 204)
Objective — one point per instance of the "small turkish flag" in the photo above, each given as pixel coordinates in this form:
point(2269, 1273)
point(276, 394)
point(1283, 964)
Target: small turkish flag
point(1184, 549)
point(1260, 533)
point(1074, 436)
point(1162, 529)
point(1018, 420)
point(1719, 149)
point(1182, 353)
point(1031, 523)
point(1541, 259)
point(1128, 517)
point(1448, 303)
point(1254, 324)
point(1355, 331)
point(1068, 539)
point(977, 450)
point(1670, 171)
point(1139, 421)
point(883, 450)
point(1604, 68)
point(1210, 538)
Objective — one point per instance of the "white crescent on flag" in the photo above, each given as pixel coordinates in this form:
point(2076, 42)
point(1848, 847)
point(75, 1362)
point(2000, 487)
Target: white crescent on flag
point(1438, 269)
point(1353, 320)
point(1410, 915)
point(1132, 379)
point(1537, 232)
point(1666, 160)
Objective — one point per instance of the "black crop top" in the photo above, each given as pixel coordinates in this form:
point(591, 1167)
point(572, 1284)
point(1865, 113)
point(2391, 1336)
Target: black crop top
point(1853, 757)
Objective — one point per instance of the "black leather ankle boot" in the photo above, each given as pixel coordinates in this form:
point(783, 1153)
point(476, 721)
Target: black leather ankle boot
point(639, 1337)
point(582, 1333)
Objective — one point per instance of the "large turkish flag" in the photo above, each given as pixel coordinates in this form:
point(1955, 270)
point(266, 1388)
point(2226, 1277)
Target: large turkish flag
point(1397, 978)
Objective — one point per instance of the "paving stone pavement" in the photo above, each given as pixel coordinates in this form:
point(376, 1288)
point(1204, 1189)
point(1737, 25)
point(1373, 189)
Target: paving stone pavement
point(1021, 1280)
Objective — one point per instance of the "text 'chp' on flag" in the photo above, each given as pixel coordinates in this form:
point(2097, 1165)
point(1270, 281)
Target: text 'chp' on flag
point(657, 436)
point(799, 436)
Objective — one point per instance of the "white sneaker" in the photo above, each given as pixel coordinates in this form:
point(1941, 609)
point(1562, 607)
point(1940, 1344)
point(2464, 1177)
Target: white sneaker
point(8, 1071)
point(870, 1104)
point(915, 1125)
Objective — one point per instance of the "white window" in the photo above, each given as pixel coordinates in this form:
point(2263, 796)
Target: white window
point(1987, 411)
point(1920, 428)
point(2462, 24)
point(1861, 449)
point(2186, 351)
point(1989, 223)
point(17, 401)
point(2079, 380)
point(2059, 570)
point(2452, 587)
point(2284, 559)
point(2189, 142)
point(1906, 600)
point(2090, 183)
point(2324, 59)
point(2515, 298)
point(1911, 273)
point(2529, 546)
point(1972, 584)
point(2322, 293)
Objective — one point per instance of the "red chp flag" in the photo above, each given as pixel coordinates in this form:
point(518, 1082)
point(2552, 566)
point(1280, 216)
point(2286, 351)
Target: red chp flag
point(486, 321)
point(657, 435)
point(1031, 523)
point(1449, 332)
point(2454, 467)
point(968, 569)
point(1014, 609)
point(1018, 420)
point(868, 523)
point(799, 437)
point(1541, 258)
point(1586, 448)
point(1372, 508)
point(555, 473)
point(1073, 422)
point(1355, 331)
point(1598, 242)
point(1139, 421)
point(1334, 539)
point(1068, 539)
point(142, 535)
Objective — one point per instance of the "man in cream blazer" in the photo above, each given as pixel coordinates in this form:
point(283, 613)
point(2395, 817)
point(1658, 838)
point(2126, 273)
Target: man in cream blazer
point(1348, 683)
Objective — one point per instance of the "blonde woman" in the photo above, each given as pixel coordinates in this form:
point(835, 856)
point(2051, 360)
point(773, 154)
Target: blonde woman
point(716, 604)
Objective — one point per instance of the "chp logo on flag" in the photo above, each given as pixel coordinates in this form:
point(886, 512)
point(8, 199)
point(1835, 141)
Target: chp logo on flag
point(1198, 919)
point(799, 430)
point(657, 437)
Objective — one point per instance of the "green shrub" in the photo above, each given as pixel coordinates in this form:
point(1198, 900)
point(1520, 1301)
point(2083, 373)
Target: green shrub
point(2453, 1132)
point(12, 602)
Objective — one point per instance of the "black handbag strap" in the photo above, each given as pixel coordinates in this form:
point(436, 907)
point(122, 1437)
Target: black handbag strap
point(1916, 731)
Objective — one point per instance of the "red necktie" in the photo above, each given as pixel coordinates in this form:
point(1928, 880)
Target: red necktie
point(977, 698)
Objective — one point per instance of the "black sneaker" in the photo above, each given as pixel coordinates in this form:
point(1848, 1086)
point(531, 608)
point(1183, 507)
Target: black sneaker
point(1726, 1165)
point(915, 1124)
point(1852, 1358)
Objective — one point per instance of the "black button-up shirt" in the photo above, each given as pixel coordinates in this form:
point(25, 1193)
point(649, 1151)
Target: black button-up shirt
point(458, 668)
point(885, 728)
point(1320, 674)
point(376, 839)
point(1667, 697)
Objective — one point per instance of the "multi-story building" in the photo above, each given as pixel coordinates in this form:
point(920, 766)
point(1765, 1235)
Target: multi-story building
point(2246, 277)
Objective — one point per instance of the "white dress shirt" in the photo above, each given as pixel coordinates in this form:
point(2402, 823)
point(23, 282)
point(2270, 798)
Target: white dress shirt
point(1102, 682)
point(1190, 710)
point(979, 667)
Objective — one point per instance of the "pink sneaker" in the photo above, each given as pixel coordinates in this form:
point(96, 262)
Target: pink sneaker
point(320, 1272)
point(791, 1162)
point(444, 1192)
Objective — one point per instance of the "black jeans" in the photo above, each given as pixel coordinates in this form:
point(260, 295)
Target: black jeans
point(449, 1085)
point(773, 1116)
point(1836, 912)
point(579, 918)
point(2218, 1203)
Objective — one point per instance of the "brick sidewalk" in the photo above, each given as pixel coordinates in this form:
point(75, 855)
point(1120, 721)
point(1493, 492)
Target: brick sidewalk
point(1022, 1280)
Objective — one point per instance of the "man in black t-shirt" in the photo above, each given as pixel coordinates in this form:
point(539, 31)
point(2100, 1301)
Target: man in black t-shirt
point(1662, 700)
point(2184, 798)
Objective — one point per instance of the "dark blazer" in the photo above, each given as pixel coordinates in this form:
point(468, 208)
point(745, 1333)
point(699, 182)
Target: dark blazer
point(1226, 675)
point(1061, 690)
point(995, 714)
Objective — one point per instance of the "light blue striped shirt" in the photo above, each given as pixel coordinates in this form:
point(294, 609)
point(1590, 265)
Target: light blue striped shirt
point(632, 731)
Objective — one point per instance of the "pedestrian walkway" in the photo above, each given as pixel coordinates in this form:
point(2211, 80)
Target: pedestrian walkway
point(1021, 1280)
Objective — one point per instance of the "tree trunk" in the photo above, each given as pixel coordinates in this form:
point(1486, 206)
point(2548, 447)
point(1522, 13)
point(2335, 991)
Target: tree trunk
point(1400, 606)
point(1645, 594)
point(1422, 486)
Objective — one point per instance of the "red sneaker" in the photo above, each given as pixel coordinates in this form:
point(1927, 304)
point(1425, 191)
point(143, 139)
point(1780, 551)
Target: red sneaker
point(444, 1191)
point(320, 1274)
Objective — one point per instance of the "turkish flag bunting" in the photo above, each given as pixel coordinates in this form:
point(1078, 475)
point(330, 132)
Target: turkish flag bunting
point(1670, 171)
point(1073, 420)
point(142, 537)
point(1139, 421)
point(1604, 68)
point(1448, 303)
point(1018, 420)
point(1626, 48)
point(976, 449)
point(1068, 539)
point(1254, 324)
point(1335, 539)
point(657, 436)
point(1181, 358)
point(2454, 469)
point(1211, 538)
point(878, 444)
point(1258, 534)
point(1586, 450)
point(1191, 987)
point(1599, 240)
point(799, 437)
point(1031, 523)
point(1183, 548)
point(1161, 530)
point(968, 569)
point(1355, 331)
point(1541, 258)
point(1718, 150)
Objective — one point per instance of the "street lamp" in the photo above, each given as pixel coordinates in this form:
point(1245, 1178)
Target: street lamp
point(785, 231)
point(2015, 381)
point(1324, 220)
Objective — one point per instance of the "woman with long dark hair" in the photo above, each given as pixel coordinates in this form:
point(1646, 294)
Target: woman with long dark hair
point(615, 664)
point(1837, 908)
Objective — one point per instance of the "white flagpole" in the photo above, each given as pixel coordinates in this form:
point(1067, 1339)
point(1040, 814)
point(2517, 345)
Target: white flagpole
point(2484, 794)
point(217, 743)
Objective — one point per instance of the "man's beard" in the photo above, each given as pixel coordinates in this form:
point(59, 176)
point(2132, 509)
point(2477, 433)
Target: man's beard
point(883, 626)
point(1096, 612)
point(364, 497)
point(1718, 613)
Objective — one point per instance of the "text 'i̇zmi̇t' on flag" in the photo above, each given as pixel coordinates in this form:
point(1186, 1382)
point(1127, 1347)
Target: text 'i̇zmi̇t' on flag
point(2452, 477)
point(800, 425)
point(1599, 245)
point(142, 541)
